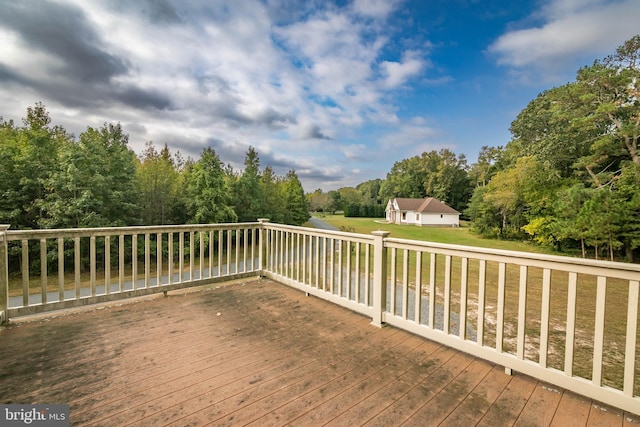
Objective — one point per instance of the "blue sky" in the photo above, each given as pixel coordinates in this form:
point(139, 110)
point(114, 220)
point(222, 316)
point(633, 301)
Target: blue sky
point(337, 91)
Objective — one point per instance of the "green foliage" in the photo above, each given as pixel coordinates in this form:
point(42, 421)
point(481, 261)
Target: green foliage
point(208, 198)
point(49, 179)
point(295, 203)
point(579, 185)
point(29, 158)
point(362, 201)
point(363, 210)
point(487, 165)
point(249, 199)
point(94, 184)
point(370, 192)
point(440, 174)
point(318, 201)
point(160, 184)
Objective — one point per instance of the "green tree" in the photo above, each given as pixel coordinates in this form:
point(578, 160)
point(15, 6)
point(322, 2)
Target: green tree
point(248, 197)
point(370, 191)
point(29, 157)
point(485, 217)
point(273, 206)
point(567, 225)
point(335, 202)
point(626, 196)
point(319, 201)
point(208, 195)
point(95, 185)
point(487, 165)
point(406, 178)
point(159, 185)
point(440, 174)
point(590, 125)
point(295, 203)
point(11, 197)
point(583, 187)
point(518, 195)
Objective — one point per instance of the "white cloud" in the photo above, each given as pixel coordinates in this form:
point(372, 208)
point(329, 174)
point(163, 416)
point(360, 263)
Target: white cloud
point(185, 73)
point(397, 73)
point(571, 31)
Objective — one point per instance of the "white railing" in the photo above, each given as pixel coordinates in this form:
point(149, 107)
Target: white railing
point(567, 321)
point(332, 265)
point(45, 270)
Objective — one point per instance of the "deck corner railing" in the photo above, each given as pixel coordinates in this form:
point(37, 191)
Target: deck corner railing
point(567, 321)
point(43, 270)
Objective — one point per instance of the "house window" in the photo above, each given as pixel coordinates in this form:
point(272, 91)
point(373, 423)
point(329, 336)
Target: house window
point(404, 216)
point(441, 216)
point(417, 217)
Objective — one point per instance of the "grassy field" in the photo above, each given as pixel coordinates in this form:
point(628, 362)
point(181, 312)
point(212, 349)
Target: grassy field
point(456, 236)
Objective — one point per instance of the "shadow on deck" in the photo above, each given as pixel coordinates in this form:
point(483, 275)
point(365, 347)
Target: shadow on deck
point(258, 352)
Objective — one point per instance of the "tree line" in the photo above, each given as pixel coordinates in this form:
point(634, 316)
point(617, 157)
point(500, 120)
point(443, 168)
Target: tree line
point(50, 179)
point(440, 174)
point(569, 178)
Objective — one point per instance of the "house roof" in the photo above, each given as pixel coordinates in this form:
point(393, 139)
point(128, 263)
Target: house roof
point(426, 205)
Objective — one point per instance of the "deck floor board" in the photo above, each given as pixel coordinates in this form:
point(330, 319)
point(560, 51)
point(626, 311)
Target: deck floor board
point(261, 353)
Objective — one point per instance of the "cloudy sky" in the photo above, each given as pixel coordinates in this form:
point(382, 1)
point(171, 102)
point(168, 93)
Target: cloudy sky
point(337, 91)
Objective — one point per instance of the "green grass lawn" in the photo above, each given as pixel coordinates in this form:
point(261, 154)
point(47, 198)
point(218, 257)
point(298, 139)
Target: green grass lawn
point(456, 236)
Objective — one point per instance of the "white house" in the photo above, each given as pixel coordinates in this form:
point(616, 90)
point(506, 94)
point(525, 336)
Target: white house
point(427, 212)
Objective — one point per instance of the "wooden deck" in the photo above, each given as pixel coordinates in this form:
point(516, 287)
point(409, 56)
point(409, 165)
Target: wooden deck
point(260, 353)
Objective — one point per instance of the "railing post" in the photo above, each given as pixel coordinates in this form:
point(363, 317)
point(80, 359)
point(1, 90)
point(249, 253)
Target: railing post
point(262, 245)
point(379, 277)
point(4, 274)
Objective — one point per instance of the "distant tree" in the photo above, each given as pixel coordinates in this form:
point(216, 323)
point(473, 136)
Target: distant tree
point(487, 165)
point(29, 157)
point(370, 191)
point(295, 203)
point(159, 185)
point(336, 202)
point(13, 200)
point(273, 206)
point(248, 197)
point(487, 220)
point(95, 184)
point(566, 225)
point(517, 195)
point(579, 186)
point(440, 174)
point(406, 179)
point(319, 201)
point(349, 196)
point(208, 196)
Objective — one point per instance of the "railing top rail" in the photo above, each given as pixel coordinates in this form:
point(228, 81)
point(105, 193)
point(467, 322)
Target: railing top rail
point(13, 235)
point(354, 237)
point(557, 262)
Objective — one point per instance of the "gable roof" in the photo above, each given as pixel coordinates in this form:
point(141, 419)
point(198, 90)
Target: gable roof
point(426, 205)
point(408, 204)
